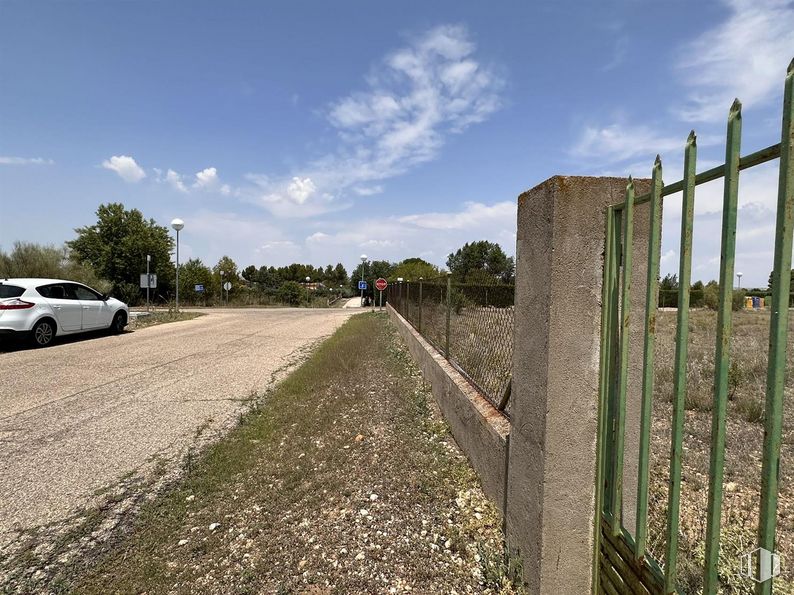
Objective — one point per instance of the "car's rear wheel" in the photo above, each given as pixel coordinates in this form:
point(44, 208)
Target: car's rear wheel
point(43, 333)
point(119, 322)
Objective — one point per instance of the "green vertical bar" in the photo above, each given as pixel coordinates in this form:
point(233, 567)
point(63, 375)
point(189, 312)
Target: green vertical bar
point(722, 355)
point(651, 297)
point(608, 290)
point(625, 311)
point(778, 331)
point(679, 379)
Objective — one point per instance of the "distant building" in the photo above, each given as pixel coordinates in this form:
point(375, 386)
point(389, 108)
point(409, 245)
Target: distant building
point(314, 286)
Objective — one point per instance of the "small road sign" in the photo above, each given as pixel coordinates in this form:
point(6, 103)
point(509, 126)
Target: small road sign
point(148, 281)
point(362, 284)
point(199, 288)
point(227, 286)
point(381, 284)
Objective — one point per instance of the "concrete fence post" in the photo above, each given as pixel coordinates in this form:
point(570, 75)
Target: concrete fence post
point(554, 401)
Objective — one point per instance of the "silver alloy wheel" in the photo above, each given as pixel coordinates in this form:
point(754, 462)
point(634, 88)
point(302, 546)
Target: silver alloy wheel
point(43, 333)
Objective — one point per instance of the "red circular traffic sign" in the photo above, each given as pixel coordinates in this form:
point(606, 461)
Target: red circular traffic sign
point(381, 284)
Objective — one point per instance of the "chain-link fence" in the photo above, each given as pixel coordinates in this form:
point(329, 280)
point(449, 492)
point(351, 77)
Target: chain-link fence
point(471, 324)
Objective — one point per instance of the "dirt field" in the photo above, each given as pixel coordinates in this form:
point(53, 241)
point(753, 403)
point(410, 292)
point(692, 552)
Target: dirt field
point(745, 432)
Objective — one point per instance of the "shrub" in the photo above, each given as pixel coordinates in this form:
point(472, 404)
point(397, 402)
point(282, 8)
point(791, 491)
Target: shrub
point(292, 293)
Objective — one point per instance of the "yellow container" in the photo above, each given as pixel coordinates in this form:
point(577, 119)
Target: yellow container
point(748, 303)
point(762, 302)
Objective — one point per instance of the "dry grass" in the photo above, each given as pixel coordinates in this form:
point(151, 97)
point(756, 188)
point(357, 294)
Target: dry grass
point(744, 446)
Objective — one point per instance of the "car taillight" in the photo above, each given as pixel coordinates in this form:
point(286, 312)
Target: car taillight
point(15, 305)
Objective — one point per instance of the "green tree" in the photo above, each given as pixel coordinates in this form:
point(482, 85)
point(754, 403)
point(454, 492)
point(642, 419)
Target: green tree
point(769, 283)
point(668, 291)
point(292, 293)
point(116, 247)
point(340, 274)
point(33, 260)
point(414, 268)
point(372, 270)
point(484, 256)
point(250, 273)
point(192, 273)
point(229, 269)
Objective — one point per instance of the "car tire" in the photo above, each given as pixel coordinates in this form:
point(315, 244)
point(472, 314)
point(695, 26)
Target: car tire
point(118, 324)
point(43, 334)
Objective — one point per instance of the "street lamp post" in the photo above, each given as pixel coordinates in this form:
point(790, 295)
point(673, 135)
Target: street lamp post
point(178, 225)
point(363, 260)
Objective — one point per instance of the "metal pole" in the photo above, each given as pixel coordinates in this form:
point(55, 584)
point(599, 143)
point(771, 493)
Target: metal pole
point(362, 280)
point(177, 271)
point(381, 300)
point(148, 280)
point(408, 301)
point(449, 305)
point(420, 305)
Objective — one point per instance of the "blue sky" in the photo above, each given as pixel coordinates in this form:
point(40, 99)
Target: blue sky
point(315, 131)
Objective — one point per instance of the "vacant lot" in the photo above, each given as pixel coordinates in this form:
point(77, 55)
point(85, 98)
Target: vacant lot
point(745, 432)
point(345, 480)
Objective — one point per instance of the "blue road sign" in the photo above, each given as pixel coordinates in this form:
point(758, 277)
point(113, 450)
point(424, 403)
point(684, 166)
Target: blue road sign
point(362, 284)
point(199, 288)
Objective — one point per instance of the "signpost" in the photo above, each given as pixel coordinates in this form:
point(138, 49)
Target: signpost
point(227, 286)
point(148, 261)
point(148, 281)
point(362, 285)
point(381, 284)
point(199, 288)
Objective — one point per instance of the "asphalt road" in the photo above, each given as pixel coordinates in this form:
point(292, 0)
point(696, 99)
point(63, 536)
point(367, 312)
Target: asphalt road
point(76, 417)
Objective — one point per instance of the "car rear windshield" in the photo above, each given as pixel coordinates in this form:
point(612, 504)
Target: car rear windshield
point(10, 291)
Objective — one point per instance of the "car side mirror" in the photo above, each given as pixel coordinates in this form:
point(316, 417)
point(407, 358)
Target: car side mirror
point(105, 297)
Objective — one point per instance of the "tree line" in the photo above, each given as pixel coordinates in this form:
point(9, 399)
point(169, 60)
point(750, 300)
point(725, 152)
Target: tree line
point(111, 254)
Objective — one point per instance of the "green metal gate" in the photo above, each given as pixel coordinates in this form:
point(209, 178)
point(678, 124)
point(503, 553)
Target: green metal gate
point(622, 563)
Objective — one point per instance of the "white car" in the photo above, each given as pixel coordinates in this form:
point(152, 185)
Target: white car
point(42, 309)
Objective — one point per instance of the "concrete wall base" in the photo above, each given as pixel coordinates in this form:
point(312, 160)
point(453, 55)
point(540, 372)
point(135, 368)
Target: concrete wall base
point(478, 427)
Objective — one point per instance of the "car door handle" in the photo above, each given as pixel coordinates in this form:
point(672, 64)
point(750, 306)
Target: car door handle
point(57, 307)
point(86, 307)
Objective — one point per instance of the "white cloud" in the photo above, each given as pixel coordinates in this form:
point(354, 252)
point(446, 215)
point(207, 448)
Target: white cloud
point(207, 179)
point(620, 142)
point(416, 97)
point(299, 190)
point(126, 167)
point(430, 235)
point(745, 56)
point(368, 190)
point(474, 215)
point(25, 161)
point(176, 180)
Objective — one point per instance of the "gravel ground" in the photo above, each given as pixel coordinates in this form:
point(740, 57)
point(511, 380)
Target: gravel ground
point(80, 417)
point(345, 480)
